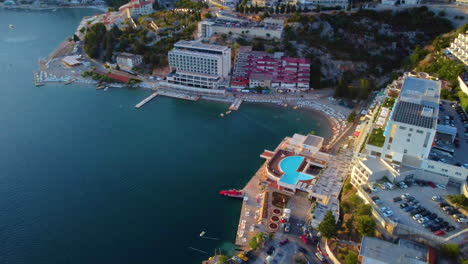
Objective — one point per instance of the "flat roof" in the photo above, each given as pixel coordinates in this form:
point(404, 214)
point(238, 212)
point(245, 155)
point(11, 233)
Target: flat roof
point(312, 140)
point(421, 91)
point(415, 114)
point(374, 164)
point(406, 252)
point(199, 45)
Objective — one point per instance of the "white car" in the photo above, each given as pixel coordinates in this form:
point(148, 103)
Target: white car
point(441, 186)
point(417, 216)
point(388, 213)
point(383, 209)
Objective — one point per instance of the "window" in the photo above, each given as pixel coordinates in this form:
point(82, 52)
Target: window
point(407, 140)
point(410, 129)
point(419, 131)
point(409, 134)
point(388, 156)
point(405, 151)
point(402, 128)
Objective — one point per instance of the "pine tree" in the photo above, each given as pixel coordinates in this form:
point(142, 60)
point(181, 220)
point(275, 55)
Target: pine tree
point(328, 226)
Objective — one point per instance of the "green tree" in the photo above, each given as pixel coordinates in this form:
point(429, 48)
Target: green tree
point(365, 225)
point(364, 209)
point(352, 117)
point(351, 258)
point(450, 250)
point(328, 226)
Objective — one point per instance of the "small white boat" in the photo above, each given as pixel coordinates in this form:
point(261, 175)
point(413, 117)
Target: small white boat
point(202, 233)
point(105, 89)
point(221, 115)
point(11, 26)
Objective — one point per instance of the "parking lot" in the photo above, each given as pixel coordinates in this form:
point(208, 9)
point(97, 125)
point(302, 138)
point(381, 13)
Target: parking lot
point(423, 195)
point(460, 146)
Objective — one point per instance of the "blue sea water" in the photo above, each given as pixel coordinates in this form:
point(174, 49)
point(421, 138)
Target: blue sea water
point(87, 178)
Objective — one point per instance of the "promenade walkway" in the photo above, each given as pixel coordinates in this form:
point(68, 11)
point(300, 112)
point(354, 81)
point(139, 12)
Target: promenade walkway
point(250, 219)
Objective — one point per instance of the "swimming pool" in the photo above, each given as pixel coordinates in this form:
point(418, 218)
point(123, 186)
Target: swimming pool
point(289, 166)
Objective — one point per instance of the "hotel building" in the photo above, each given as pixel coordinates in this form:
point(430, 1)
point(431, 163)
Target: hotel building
point(296, 163)
point(199, 65)
point(404, 138)
point(137, 7)
point(207, 28)
point(258, 68)
point(127, 60)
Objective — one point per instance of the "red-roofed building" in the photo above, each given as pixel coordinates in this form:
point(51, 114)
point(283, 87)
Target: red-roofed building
point(258, 68)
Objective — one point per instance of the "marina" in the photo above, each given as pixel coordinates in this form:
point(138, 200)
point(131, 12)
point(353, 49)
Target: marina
point(146, 100)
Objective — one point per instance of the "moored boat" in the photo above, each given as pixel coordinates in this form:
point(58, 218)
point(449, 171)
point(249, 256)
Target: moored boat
point(232, 193)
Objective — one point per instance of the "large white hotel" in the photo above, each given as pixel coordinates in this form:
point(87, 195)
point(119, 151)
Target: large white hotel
point(198, 65)
point(404, 139)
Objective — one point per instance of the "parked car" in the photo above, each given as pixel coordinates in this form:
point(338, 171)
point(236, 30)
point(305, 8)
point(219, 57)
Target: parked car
point(417, 216)
point(388, 213)
point(383, 209)
point(462, 220)
point(436, 198)
point(427, 224)
point(438, 220)
point(432, 216)
point(423, 220)
point(397, 199)
point(443, 204)
point(434, 228)
point(270, 250)
point(374, 198)
point(287, 227)
point(284, 242)
point(409, 198)
point(447, 208)
point(409, 208)
point(444, 224)
point(439, 233)
point(403, 205)
point(431, 183)
point(441, 186)
point(449, 228)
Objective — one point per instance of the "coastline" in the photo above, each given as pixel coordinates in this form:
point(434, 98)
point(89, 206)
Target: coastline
point(50, 8)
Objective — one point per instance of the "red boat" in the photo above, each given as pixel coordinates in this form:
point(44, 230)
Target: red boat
point(232, 193)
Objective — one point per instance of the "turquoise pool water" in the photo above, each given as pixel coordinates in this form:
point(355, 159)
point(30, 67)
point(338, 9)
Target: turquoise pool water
point(289, 166)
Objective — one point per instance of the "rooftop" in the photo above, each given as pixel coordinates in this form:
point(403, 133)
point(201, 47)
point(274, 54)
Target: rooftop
point(312, 140)
point(421, 91)
point(199, 45)
point(416, 114)
point(375, 250)
point(374, 164)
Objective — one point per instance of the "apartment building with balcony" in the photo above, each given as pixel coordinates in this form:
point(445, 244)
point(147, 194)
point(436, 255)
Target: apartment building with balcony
point(199, 65)
point(276, 71)
point(459, 47)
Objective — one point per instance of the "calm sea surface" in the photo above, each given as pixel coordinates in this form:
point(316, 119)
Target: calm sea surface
point(87, 178)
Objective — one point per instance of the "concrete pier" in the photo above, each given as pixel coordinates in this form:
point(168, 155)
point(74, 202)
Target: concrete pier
point(147, 99)
point(250, 220)
point(179, 95)
point(236, 104)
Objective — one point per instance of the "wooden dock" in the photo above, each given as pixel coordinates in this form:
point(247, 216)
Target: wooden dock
point(236, 104)
point(147, 99)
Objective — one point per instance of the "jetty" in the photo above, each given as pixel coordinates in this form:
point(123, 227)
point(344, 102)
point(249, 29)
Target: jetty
point(147, 99)
point(251, 215)
point(179, 95)
point(236, 104)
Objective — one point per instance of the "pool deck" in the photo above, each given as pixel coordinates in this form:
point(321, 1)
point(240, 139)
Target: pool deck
point(251, 190)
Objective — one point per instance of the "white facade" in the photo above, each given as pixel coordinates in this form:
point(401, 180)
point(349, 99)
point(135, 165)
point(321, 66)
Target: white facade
point(138, 7)
point(409, 135)
point(329, 3)
point(255, 29)
point(128, 61)
point(459, 47)
point(199, 65)
point(463, 82)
